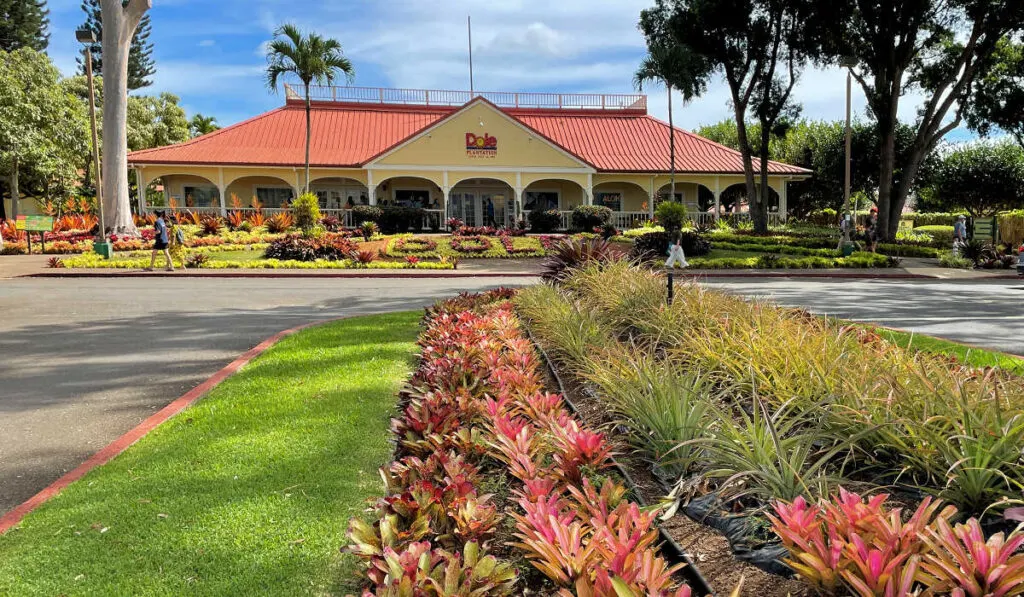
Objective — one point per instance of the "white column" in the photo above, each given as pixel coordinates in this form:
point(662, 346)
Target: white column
point(589, 191)
point(653, 194)
point(782, 202)
point(517, 210)
point(371, 188)
point(718, 195)
point(445, 190)
point(142, 191)
point(222, 189)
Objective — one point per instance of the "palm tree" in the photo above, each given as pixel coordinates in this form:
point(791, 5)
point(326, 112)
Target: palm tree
point(667, 65)
point(200, 125)
point(310, 58)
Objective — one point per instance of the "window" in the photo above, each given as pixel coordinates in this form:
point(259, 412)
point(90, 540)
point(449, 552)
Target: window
point(272, 197)
point(540, 200)
point(412, 197)
point(612, 201)
point(680, 196)
point(201, 196)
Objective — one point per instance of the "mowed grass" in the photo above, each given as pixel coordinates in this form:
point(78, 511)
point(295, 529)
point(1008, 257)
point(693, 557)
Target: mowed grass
point(969, 355)
point(247, 493)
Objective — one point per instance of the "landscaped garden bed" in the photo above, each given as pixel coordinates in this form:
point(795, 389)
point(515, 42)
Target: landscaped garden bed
point(476, 246)
point(496, 488)
point(741, 408)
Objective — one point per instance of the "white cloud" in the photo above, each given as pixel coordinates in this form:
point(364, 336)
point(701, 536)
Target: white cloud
point(206, 43)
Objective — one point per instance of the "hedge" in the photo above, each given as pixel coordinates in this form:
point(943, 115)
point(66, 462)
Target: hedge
point(587, 217)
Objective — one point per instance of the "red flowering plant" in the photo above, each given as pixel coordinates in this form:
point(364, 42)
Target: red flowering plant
point(857, 545)
point(416, 244)
point(470, 244)
point(475, 404)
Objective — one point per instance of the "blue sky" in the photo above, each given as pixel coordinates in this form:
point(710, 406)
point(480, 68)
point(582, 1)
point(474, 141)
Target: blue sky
point(211, 52)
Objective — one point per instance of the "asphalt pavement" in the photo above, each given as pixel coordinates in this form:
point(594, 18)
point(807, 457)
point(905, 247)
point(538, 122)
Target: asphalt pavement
point(84, 360)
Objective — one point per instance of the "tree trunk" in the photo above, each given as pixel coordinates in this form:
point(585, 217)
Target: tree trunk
point(671, 148)
point(309, 133)
point(119, 24)
point(760, 215)
point(748, 162)
point(15, 191)
point(885, 177)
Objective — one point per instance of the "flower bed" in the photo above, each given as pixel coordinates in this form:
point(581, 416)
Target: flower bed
point(470, 244)
point(475, 417)
point(738, 403)
point(93, 261)
point(515, 247)
point(414, 245)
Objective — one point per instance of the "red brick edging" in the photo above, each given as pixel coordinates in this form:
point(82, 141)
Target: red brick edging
point(12, 518)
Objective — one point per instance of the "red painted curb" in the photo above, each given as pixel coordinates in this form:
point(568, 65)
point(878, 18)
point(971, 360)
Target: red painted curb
point(108, 453)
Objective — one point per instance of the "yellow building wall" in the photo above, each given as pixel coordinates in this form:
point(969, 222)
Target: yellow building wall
point(386, 190)
point(245, 188)
point(570, 194)
point(174, 188)
point(633, 197)
point(445, 145)
point(528, 178)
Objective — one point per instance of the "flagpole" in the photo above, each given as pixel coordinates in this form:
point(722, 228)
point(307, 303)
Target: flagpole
point(469, 27)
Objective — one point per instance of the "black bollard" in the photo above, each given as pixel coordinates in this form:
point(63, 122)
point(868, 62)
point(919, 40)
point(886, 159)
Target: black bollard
point(671, 289)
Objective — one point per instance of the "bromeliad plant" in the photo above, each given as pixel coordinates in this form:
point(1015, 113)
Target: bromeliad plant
point(474, 405)
point(857, 545)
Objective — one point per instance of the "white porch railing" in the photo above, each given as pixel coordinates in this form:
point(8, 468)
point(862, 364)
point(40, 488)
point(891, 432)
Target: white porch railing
point(624, 220)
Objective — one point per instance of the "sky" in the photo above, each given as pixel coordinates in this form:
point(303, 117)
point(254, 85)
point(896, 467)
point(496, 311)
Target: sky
point(211, 53)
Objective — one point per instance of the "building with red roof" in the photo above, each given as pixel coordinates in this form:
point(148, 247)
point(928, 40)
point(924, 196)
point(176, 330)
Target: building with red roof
point(479, 157)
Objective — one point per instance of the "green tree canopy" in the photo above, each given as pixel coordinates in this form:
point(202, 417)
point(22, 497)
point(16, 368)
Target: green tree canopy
point(23, 24)
point(43, 128)
point(201, 125)
point(155, 121)
point(982, 178)
point(999, 96)
point(938, 49)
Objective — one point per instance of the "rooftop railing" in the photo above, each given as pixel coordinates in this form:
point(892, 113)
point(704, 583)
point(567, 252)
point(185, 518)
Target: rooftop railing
point(435, 97)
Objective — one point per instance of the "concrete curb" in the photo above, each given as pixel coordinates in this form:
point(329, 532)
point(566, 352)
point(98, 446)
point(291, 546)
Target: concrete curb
point(119, 445)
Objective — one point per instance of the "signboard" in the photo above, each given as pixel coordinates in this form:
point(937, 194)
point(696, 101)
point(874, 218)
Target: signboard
point(481, 146)
point(985, 229)
point(34, 223)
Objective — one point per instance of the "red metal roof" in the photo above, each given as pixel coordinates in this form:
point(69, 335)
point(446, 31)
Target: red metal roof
point(349, 136)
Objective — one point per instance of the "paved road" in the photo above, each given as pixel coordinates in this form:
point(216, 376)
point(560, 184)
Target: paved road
point(987, 314)
point(84, 360)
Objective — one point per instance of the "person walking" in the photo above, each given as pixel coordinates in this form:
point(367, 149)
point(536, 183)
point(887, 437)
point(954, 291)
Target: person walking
point(872, 230)
point(959, 233)
point(161, 242)
point(490, 212)
point(676, 257)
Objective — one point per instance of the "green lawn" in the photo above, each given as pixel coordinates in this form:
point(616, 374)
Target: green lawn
point(970, 355)
point(247, 493)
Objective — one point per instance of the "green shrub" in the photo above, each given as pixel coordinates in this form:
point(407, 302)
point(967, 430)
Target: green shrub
point(931, 219)
point(939, 233)
point(901, 250)
point(366, 213)
point(654, 246)
point(396, 219)
point(671, 215)
point(306, 211)
point(949, 259)
point(544, 221)
point(635, 232)
point(823, 217)
point(587, 217)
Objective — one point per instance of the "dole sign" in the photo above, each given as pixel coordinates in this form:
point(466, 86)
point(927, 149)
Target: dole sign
point(481, 145)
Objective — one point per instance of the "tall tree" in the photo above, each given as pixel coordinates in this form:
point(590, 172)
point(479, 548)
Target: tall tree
point(661, 64)
point(120, 18)
point(201, 125)
point(999, 96)
point(936, 48)
point(310, 58)
point(43, 127)
point(741, 40)
point(982, 178)
point(23, 24)
point(140, 59)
